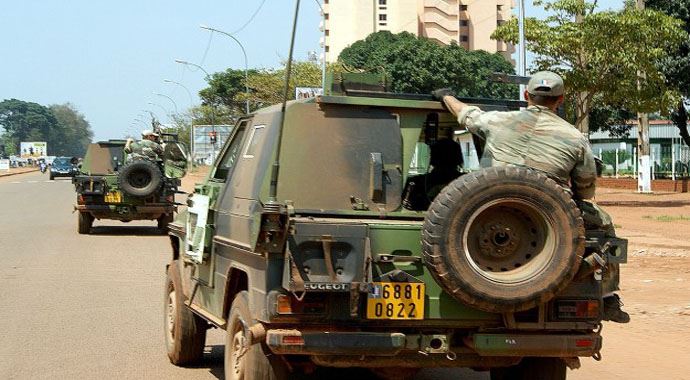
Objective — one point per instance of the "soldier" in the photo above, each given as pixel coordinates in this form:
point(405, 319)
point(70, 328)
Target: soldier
point(536, 137)
point(147, 147)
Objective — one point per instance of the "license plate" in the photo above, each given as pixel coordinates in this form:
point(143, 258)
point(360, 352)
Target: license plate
point(113, 197)
point(396, 300)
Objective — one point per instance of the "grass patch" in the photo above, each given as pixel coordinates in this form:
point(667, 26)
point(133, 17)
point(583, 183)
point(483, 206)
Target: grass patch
point(667, 218)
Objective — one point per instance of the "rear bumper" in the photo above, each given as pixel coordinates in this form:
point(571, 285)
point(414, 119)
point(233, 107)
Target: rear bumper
point(126, 212)
point(296, 342)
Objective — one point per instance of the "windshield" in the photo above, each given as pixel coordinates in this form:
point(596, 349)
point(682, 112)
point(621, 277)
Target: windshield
point(63, 161)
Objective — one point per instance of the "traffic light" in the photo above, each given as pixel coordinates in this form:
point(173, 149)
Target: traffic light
point(213, 136)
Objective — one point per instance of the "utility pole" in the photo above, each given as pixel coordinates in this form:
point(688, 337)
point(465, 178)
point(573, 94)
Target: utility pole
point(644, 181)
point(522, 68)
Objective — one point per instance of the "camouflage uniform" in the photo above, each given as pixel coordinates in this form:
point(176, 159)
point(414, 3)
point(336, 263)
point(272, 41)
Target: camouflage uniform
point(144, 149)
point(536, 138)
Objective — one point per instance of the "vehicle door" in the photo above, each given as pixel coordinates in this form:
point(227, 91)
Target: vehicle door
point(203, 208)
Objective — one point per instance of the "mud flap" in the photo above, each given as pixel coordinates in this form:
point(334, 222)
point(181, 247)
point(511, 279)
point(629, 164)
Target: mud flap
point(195, 238)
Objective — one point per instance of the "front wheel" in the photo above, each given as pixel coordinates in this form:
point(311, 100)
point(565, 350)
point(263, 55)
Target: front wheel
point(242, 362)
point(532, 368)
point(185, 332)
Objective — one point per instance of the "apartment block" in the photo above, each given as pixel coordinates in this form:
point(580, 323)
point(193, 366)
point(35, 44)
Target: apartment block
point(467, 22)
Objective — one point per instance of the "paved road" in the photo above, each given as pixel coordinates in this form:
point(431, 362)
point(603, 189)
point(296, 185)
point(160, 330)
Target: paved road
point(89, 306)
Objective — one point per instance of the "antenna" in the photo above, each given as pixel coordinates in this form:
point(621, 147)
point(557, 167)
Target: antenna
point(273, 192)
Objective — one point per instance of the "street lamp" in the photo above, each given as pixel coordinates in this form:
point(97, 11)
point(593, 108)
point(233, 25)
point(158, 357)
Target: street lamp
point(191, 101)
point(213, 107)
point(191, 124)
point(169, 98)
point(246, 62)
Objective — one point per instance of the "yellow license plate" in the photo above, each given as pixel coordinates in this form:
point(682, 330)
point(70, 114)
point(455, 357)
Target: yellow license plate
point(113, 197)
point(396, 300)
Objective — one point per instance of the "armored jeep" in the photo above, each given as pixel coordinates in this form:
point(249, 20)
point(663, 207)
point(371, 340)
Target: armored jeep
point(498, 275)
point(109, 186)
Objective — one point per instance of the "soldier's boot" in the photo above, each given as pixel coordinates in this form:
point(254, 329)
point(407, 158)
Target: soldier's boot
point(613, 311)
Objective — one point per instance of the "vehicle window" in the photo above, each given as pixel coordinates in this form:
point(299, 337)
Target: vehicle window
point(231, 153)
point(254, 139)
point(61, 161)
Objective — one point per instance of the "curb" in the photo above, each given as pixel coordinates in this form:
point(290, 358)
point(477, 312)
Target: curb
point(11, 174)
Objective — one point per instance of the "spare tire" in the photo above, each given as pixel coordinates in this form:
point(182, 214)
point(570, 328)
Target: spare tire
point(503, 239)
point(140, 178)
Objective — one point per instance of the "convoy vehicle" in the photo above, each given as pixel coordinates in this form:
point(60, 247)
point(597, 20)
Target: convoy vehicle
point(498, 275)
point(64, 167)
point(109, 186)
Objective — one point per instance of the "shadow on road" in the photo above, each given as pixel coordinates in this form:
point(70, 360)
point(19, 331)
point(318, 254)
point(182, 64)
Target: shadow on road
point(126, 231)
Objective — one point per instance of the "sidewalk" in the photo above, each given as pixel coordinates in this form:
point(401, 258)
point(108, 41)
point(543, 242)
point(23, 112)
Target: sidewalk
point(14, 171)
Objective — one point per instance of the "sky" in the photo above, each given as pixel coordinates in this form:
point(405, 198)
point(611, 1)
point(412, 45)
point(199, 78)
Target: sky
point(109, 58)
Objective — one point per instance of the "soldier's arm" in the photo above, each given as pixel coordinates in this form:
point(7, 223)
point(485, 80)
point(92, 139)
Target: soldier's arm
point(128, 146)
point(584, 175)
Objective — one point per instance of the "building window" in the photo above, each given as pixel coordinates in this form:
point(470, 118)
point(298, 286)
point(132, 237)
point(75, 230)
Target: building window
point(383, 18)
point(463, 7)
point(500, 22)
point(499, 7)
point(328, 32)
point(464, 38)
point(382, 2)
point(464, 23)
point(327, 48)
point(325, 16)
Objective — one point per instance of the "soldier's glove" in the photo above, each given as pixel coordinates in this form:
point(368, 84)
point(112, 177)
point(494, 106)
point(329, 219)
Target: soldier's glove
point(441, 92)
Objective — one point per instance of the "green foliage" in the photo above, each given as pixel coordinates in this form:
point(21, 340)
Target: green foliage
point(600, 54)
point(64, 129)
point(419, 65)
point(224, 99)
point(676, 67)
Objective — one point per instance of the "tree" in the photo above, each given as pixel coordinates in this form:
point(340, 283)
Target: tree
point(62, 127)
point(224, 99)
point(676, 68)
point(602, 54)
point(419, 65)
point(75, 129)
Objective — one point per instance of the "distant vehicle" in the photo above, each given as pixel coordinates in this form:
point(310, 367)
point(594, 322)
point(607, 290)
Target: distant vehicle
point(64, 167)
point(110, 187)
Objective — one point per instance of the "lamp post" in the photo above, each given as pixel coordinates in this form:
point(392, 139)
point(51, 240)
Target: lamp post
point(246, 62)
point(522, 67)
point(213, 107)
point(191, 125)
point(169, 98)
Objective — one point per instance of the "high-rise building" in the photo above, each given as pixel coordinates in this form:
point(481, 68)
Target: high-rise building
point(467, 22)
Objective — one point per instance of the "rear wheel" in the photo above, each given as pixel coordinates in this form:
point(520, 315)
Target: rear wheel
point(140, 178)
point(532, 368)
point(185, 332)
point(84, 222)
point(244, 362)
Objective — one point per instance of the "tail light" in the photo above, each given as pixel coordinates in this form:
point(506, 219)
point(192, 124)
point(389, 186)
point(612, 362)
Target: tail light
point(293, 340)
point(286, 304)
point(576, 309)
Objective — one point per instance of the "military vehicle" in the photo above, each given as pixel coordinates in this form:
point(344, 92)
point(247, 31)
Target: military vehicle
point(109, 186)
point(498, 275)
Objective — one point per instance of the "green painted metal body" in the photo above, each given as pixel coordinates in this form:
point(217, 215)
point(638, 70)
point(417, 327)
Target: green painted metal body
point(325, 185)
point(100, 165)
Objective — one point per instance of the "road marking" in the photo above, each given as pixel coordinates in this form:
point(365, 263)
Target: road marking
point(16, 182)
point(32, 181)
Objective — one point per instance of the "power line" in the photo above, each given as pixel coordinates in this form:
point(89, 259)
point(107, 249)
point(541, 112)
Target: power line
point(251, 18)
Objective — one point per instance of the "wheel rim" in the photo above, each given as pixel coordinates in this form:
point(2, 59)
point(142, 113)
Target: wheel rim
point(170, 317)
point(140, 178)
point(237, 355)
point(509, 241)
